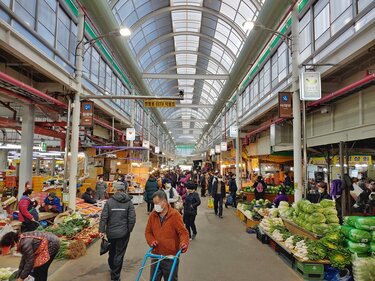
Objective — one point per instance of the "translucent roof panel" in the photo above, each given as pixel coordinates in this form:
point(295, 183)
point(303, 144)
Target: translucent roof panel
point(186, 37)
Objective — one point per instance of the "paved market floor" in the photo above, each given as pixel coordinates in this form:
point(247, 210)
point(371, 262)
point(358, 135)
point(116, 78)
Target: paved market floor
point(223, 251)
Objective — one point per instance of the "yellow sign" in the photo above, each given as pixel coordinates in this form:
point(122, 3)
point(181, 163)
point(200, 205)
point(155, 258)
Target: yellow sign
point(354, 159)
point(160, 103)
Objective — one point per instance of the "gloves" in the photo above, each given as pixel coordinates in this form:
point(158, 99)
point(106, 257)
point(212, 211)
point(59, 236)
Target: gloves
point(184, 248)
point(154, 244)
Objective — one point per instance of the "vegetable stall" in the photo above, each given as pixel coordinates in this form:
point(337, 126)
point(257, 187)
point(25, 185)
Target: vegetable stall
point(310, 237)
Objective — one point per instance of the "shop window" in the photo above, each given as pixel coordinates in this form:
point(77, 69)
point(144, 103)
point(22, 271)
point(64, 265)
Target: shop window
point(274, 71)
point(267, 77)
point(321, 21)
point(47, 20)
point(282, 61)
point(63, 30)
point(108, 78)
point(341, 14)
point(73, 41)
point(26, 9)
point(305, 36)
point(86, 63)
point(102, 66)
point(362, 4)
point(94, 66)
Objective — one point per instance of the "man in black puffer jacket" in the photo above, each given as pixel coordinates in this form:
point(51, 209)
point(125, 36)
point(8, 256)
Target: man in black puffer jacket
point(117, 222)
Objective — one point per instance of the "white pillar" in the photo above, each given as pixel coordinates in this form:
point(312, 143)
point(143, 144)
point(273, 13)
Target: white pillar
point(297, 150)
point(27, 143)
point(76, 116)
point(3, 159)
point(148, 135)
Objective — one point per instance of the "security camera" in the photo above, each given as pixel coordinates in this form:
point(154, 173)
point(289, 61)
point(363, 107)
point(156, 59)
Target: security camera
point(181, 93)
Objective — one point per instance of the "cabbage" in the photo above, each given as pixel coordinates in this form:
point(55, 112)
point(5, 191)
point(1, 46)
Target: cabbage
point(372, 247)
point(340, 257)
point(325, 203)
point(332, 219)
point(356, 235)
point(330, 211)
point(350, 220)
point(365, 223)
point(359, 248)
point(364, 269)
point(320, 229)
point(317, 218)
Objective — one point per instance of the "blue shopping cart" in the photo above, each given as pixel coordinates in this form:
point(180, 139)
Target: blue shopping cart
point(150, 255)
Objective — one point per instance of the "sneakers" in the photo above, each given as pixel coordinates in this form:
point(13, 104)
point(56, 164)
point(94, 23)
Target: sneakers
point(193, 236)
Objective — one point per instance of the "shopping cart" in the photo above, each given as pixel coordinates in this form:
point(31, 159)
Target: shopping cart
point(159, 258)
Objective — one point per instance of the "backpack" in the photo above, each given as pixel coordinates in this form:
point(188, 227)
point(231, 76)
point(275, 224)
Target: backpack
point(259, 187)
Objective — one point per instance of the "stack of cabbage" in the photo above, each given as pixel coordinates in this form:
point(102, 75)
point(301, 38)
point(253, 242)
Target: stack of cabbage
point(317, 218)
point(360, 234)
point(364, 269)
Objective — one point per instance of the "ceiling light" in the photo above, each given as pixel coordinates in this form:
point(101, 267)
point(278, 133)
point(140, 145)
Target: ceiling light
point(107, 93)
point(125, 32)
point(170, 132)
point(248, 25)
point(164, 122)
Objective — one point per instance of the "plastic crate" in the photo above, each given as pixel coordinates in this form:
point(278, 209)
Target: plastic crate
point(310, 271)
point(273, 245)
point(262, 237)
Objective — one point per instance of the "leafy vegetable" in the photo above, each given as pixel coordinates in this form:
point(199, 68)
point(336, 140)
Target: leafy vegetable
point(339, 257)
point(320, 229)
point(359, 248)
point(356, 235)
point(364, 269)
point(325, 203)
point(335, 237)
point(316, 250)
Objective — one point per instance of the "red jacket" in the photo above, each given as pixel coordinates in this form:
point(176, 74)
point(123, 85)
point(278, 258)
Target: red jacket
point(24, 206)
point(170, 235)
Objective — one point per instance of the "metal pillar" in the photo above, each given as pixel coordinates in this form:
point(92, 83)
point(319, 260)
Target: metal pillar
point(132, 115)
point(76, 115)
point(53, 167)
point(148, 135)
point(3, 159)
point(297, 158)
point(305, 173)
point(27, 143)
point(37, 166)
point(342, 173)
point(67, 140)
point(238, 177)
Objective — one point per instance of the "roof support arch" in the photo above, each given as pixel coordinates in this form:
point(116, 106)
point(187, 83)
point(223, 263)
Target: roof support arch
point(167, 36)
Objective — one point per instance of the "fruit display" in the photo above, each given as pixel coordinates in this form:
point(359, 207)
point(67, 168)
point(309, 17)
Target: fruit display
point(359, 234)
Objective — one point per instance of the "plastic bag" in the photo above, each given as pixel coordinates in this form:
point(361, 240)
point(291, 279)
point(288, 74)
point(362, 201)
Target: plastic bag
point(104, 246)
point(210, 203)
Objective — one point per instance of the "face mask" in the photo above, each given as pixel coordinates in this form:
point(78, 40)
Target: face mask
point(168, 185)
point(101, 180)
point(158, 208)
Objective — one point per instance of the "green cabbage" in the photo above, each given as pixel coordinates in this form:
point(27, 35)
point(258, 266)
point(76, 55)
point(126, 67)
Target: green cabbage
point(330, 211)
point(365, 223)
point(325, 203)
point(372, 247)
point(332, 219)
point(359, 248)
point(320, 229)
point(350, 220)
point(316, 250)
point(316, 218)
point(356, 235)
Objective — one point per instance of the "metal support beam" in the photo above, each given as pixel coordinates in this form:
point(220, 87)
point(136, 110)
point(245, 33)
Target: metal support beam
point(129, 97)
point(184, 120)
point(195, 105)
point(185, 76)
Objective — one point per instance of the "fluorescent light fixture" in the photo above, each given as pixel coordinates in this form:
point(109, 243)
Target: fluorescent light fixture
point(15, 146)
point(125, 32)
point(248, 25)
point(170, 132)
point(164, 122)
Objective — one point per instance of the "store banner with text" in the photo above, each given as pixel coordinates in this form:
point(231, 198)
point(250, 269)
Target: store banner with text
point(160, 103)
point(87, 114)
point(310, 86)
point(224, 146)
point(285, 105)
point(146, 144)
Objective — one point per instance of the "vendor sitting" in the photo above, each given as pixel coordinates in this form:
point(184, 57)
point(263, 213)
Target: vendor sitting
point(51, 204)
point(88, 196)
point(281, 197)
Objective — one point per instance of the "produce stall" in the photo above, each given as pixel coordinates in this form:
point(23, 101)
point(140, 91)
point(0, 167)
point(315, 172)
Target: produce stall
point(310, 237)
point(270, 193)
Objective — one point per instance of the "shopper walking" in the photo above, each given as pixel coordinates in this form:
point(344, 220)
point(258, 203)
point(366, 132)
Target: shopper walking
point(27, 213)
point(117, 222)
point(165, 232)
point(100, 189)
point(260, 187)
point(190, 210)
point(203, 184)
point(38, 250)
point(171, 193)
point(182, 191)
point(233, 191)
point(218, 193)
point(150, 188)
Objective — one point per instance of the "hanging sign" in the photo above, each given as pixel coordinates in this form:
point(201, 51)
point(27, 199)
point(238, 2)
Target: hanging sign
point(310, 86)
point(43, 146)
point(87, 114)
point(146, 144)
point(285, 105)
point(160, 103)
point(217, 148)
point(130, 134)
point(212, 151)
point(157, 149)
point(223, 146)
point(233, 131)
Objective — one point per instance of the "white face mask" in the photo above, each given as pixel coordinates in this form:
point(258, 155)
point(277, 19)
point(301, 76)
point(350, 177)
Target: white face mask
point(101, 180)
point(168, 185)
point(158, 208)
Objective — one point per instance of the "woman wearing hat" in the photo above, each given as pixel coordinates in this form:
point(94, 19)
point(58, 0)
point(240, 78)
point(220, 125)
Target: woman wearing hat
point(51, 204)
point(192, 202)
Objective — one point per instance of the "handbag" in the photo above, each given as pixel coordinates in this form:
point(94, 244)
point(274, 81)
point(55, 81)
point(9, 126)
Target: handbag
point(104, 246)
